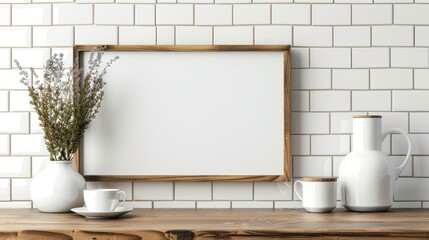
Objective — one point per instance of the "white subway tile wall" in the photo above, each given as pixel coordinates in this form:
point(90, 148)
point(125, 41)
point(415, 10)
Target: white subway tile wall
point(349, 57)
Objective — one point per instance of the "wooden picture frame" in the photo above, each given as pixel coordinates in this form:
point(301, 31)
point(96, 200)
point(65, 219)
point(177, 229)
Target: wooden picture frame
point(285, 49)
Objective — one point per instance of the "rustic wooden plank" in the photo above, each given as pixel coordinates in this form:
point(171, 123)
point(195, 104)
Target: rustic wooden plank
point(180, 224)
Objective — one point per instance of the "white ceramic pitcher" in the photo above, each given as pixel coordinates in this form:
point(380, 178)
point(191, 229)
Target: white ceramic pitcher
point(365, 177)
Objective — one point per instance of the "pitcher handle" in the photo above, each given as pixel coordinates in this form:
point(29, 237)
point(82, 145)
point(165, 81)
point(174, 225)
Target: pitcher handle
point(399, 169)
point(295, 186)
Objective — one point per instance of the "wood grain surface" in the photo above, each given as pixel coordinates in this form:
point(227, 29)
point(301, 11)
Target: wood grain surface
point(180, 224)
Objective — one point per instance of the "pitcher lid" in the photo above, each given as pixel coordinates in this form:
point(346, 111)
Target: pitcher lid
point(367, 116)
point(319, 179)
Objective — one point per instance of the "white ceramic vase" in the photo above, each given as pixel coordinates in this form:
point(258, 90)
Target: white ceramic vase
point(57, 188)
point(366, 179)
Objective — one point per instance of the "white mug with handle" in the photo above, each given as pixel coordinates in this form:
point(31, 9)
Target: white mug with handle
point(318, 194)
point(103, 200)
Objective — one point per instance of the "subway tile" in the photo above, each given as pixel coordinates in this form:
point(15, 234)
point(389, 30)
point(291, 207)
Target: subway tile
point(310, 79)
point(330, 101)
point(343, 122)
point(38, 164)
point(33, 144)
point(133, 1)
point(98, 1)
point(418, 142)
point(4, 101)
point(53, 36)
point(330, 58)
point(287, 204)
point(391, 78)
point(233, 1)
point(65, 14)
point(213, 204)
point(192, 35)
point(21, 189)
point(17, 204)
point(144, 14)
point(10, 79)
point(396, 161)
point(309, 123)
point(5, 56)
point(251, 14)
point(5, 14)
point(300, 144)
point(336, 161)
point(96, 35)
point(232, 191)
point(411, 189)
point(15, 166)
point(273, 34)
point(67, 55)
point(393, 1)
point(410, 100)
point(392, 36)
point(4, 144)
point(165, 35)
point(419, 122)
point(4, 189)
point(356, 36)
point(305, 36)
point(195, 1)
point(31, 57)
point(410, 57)
point(136, 35)
point(331, 14)
point(138, 204)
point(123, 186)
point(371, 14)
point(392, 120)
point(153, 191)
point(312, 166)
point(53, 1)
point(174, 14)
point(421, 36)
point(174, 204)
point(291, 14)
point(414, 14)
point(233, 35)
point(31, 14)
point(313, 1)
point(371, 100)
point(272, 1)
point(213, 14)
point(406, 205)
point(421, 166)
point(15, 1)
point(421, 78)
point(350, 79)
point(252, 204)
point(20, 101)
point(300, 101)
point(330, 144)
point(370, 57)
point(14, 123)
point(114, 14)
point(300, 57)
point(273, 191)
point(15, 36)
point(193, 191)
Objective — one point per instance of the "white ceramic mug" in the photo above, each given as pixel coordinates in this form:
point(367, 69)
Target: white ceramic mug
point(103, 200)
point(317, 194)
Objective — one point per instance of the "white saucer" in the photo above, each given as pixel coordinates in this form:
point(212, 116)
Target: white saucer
point(83, 211)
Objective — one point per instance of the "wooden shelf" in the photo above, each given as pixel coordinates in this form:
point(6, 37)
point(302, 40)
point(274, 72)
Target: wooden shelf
point(180, 224)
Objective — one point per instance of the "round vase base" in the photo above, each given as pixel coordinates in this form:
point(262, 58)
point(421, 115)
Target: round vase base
point(367, 209)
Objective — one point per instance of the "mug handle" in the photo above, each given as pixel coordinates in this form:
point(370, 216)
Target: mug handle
point(295, 186)
point(125, 197)
point(399, 169)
